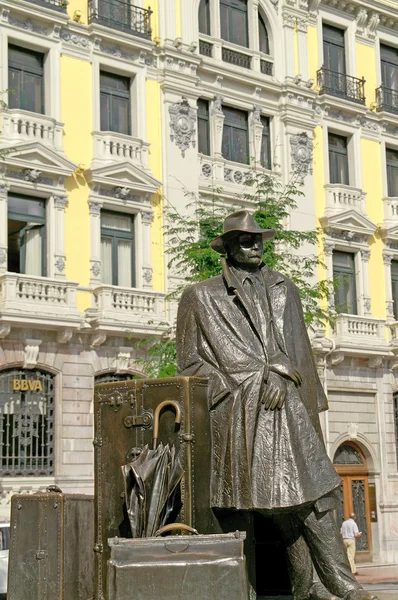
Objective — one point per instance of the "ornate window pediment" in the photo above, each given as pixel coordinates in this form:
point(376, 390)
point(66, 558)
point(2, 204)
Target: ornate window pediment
point(351, 221)
point(34, 156)
point(124, 179)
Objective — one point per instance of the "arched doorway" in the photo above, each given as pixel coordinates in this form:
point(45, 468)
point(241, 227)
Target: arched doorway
point(350, 463)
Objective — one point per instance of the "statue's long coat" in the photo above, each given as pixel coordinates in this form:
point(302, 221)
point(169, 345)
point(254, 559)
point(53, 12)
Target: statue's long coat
point(261, 459)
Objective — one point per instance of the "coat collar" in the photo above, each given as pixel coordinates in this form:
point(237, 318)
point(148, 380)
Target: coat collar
point(271, 277)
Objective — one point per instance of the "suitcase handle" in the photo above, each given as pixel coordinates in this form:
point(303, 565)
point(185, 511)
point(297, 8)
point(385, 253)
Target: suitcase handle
point(176, 527)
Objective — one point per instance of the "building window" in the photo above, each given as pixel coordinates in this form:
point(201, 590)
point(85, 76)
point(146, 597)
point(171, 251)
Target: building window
point(338, 159)
point(204, 17)
point(392, 172)
point(263, 36)
point(117, 249)
point(389, 67)
point(333, 49)
point(26, 235)
point(394, 286)
point(25, 79)
point(265, 156)
point(235, 139)
point(115, 103)
point(26, 423)
point(345, 296)
point(234, 25)
point(203, 127)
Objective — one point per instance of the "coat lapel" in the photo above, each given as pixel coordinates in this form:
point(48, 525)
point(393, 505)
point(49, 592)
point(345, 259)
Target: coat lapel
point(234, 285)
point(277, 292)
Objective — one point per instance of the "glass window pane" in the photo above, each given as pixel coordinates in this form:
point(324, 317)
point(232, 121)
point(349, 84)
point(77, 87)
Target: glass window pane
point(392, 156)
point(344, 279)
point(120, 115)
point(124, 263)
point(334, 35)
point(394, 286)
point(14, 88)
point(235, 117)
point(238, 28)
point(240, 146)
point(263, 36)
point(226, 149)
point(106, 260)
point(25, 58)
point(265, 156)
point(24, 205)
point(14, 245)
point(114, 221)
point(224, 18)
point(392, 180)
point(105, 109)
point(204, 17)
point(389, 54)
point(111, 81)
point(338, 141)
point(341, 169)
point(33, 250)
point(32, 93)
point(203, 137)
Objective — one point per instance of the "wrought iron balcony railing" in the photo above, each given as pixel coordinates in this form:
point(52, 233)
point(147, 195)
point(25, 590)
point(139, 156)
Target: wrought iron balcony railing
point(59, 5)
point(387, 99)
point(236, 58)
point(119, 14)
point(341, 85)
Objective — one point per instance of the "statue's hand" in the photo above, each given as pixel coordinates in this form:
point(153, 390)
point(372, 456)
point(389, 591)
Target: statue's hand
point(280, 364)
point(275, 392)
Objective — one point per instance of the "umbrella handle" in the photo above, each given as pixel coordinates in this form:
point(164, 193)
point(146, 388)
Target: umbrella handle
point(156, 418)
point(176, 527)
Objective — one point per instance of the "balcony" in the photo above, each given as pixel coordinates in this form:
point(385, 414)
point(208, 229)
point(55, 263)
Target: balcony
point(59, 5)
point(25, 299)
point(341, 85)
point(266, 67)
point(205, 48)
point(240, 59)
point(128, 309)
point(390, 205)
point(387, 100)
point(217, 171)
point(340, 198)
point(19, 126)
point(357, 334)
point(121, 15)
point(111, 147)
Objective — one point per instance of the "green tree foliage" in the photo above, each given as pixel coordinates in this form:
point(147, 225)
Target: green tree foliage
point(188, 238)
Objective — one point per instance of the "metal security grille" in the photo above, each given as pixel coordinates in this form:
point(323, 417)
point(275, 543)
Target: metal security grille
point(26, 423)
point(107, 377)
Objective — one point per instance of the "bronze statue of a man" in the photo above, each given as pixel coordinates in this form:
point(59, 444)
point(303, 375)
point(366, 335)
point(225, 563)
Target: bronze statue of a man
point(245, 331)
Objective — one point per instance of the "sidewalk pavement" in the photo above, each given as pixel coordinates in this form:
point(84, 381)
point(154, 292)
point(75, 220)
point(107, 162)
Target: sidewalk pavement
point(377, 573)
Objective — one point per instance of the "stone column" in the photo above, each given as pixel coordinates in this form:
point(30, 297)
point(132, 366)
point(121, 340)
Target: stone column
point(215, 28)
point(387, 258)
point(254, 42)
point(366, 306)
point(3, 227)
point(95, 242)
point(216, 132)
point(146, 220)
point(288, 30)
point(302, 26)
point(256, 134)
point(60, 204)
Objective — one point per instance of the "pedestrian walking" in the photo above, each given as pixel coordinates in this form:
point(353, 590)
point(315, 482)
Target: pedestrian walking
point(349, 531)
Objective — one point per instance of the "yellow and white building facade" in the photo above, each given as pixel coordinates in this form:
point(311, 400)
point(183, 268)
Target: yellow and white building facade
point(114, 108)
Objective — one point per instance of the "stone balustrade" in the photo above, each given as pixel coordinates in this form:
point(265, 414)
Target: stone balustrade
point(130, 309)
point(109, 146)
point(390, 212)
point(38, 299)
point(358, 332)
point(340, 198)
point(22, 126)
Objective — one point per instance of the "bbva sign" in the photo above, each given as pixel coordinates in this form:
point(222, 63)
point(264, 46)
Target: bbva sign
point(27, 385)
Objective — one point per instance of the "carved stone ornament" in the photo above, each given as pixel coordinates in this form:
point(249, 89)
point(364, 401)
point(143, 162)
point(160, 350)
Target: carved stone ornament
point(31, 175)
point(301, 153)
point(3, 256)
point(60, 264)
point(352, 430)
point(147, 275)
point(31, 353)
point(96, 269)
point(182, 125)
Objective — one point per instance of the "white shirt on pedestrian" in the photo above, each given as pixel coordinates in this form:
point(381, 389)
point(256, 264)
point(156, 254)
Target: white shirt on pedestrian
point(348, 529)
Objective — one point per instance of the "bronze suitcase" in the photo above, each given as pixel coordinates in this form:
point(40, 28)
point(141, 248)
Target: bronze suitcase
point(203, 567)
point(51, 547)
point(124, 413)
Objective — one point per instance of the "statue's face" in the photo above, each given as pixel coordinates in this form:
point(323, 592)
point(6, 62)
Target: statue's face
point(245, 251)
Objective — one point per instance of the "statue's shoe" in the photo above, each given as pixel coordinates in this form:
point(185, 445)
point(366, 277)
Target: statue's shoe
point(319, 592)
point(360, 594)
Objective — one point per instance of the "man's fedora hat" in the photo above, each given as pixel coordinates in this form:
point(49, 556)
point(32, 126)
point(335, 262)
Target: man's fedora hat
point(239, 222)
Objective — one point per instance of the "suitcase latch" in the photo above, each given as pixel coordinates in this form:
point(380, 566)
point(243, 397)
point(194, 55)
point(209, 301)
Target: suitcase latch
point(41, 555)
point(145, 420)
